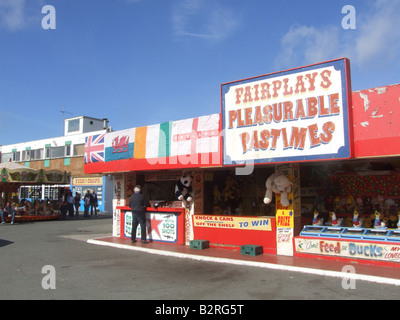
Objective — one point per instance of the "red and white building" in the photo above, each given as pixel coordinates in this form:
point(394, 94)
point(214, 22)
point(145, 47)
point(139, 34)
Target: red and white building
point(340, 150)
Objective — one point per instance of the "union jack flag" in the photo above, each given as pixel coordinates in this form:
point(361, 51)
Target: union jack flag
point(94, 148)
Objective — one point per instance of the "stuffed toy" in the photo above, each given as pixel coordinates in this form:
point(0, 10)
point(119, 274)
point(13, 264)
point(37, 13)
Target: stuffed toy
point(334, 221)
point(278, 183)
point(379, 223)
point(183, 188)
point(350, 204)
point(398, 220)
point(357, 221)
point(317, 221)
point(392, 221)
point(390, 204)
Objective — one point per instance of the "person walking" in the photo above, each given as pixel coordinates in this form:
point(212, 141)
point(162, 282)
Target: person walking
point(138, 204)
point(70, 203)
point(93, 204)
point(2, 214)
point(87, 200)
point(77, 203)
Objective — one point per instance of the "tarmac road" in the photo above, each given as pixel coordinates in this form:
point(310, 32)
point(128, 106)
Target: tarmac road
point(87, 271)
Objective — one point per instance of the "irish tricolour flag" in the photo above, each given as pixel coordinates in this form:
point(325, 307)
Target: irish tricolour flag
point(183, 137)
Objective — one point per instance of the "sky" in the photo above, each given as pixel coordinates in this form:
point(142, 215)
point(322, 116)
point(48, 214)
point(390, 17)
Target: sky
point(143, 62)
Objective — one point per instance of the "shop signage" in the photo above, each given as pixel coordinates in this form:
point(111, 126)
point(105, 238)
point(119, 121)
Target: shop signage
point(231, 222)
point(349, 249)
point(160, 227)
point(295, 115)
point(95, 181)
point(284, 232)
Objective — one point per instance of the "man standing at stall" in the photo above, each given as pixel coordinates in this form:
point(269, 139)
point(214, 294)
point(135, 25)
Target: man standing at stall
point(138, 204)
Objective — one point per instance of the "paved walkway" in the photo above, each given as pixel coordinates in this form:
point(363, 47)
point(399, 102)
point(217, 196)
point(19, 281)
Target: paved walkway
point(371, 273)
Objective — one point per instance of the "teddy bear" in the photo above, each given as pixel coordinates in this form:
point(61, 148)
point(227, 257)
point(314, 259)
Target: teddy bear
point(183, 188)
point(278, 183)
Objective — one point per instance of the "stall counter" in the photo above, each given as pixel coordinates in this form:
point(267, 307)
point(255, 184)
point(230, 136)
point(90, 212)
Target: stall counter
point(385, 253)
point(165, 225)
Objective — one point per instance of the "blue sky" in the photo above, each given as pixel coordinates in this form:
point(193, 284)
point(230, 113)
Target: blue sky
point(142, 62)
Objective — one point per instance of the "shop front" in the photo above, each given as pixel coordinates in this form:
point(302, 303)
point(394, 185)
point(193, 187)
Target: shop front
point(101, 186)
point(287, 150)
point(364, 192)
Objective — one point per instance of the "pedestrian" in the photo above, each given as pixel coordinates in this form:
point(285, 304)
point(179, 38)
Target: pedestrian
point(87, 200)
point(77, 203)
point(63, 209)
point(138, 204)
point(2, 214)
point(9, 211)
point(70, 203)
point(93, 204)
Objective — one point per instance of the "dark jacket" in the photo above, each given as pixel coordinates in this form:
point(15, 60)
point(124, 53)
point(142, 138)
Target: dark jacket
point(138, 202)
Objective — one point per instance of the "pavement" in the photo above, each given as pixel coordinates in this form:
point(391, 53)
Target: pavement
point(331, 268)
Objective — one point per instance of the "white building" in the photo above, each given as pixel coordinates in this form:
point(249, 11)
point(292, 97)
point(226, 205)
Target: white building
point(65, 153)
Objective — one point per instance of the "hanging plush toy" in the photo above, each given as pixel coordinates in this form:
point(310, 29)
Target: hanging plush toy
point(183, 188)
point(278, 183)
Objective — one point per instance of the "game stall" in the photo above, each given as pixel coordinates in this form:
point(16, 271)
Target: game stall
point(286, 166)
point(364, 193)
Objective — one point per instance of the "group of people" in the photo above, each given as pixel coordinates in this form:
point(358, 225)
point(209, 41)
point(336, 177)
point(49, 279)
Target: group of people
point(70, 203)
point(38, 207)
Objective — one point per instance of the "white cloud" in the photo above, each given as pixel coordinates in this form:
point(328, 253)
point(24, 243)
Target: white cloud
point(307, 45)
point(206, 19)
point(379, 37)
point(12, 14)
point(375, 42)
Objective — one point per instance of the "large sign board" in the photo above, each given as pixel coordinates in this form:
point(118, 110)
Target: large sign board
point(349, 249)
point(232, 222)
point(296, 115)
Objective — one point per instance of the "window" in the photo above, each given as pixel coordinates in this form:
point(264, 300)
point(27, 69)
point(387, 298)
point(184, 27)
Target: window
point(57, 152)
point(37, 154)
point(7, 157)
point(68, 150)
point(26, 155)
point(79, 149)
point(73, 125)
point(16, 156)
